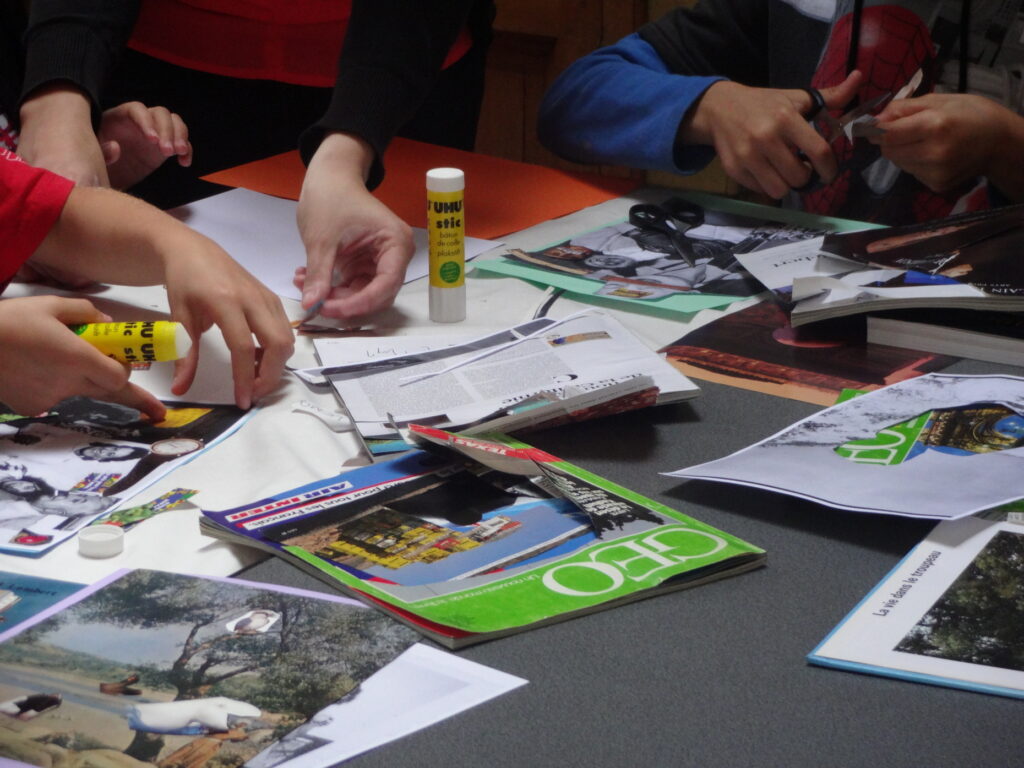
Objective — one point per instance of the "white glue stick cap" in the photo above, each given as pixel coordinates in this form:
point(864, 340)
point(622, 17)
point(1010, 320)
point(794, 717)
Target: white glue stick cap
point(445, 180)
point(182, 341)
point(103, 540)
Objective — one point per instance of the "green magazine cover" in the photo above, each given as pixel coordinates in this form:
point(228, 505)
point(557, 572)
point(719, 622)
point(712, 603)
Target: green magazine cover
point(470, 538)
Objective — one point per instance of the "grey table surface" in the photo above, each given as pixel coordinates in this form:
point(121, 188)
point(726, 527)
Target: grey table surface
point(716, 675)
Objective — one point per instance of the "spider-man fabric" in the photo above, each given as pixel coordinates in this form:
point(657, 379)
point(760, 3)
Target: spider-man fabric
point(623, 103)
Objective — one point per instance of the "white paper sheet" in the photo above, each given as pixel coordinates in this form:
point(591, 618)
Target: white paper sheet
point(421, 687)
point(937, 482)
point(259, 231)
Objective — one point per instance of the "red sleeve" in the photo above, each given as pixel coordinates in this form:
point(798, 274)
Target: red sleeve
point(31, 199)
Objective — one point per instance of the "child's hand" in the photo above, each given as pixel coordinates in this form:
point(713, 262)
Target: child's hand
point(136, 140)
point(205, 287)
point(45, 362)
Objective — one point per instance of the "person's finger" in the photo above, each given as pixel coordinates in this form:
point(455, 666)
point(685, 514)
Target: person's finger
point(807, 144)
point(838, 96)
point(185, 370)
point(138, 398)
point(140, 115)
point(74, 311)
point(277, 342)
point(161, 118)
point(238, 336)
point(901, 108)
point(319, 270)
point(182, 146)
point(111, 151)
point(374, 295)
point(911, 128)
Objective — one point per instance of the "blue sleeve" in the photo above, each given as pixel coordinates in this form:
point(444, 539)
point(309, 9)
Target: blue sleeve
point(620, 105)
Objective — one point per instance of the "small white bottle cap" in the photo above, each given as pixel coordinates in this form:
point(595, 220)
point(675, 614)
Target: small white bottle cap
point(101, 541)
point(445, 180)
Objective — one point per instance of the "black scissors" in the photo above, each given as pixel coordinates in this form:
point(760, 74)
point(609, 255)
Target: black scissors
point(858, 122)
point(672, 218)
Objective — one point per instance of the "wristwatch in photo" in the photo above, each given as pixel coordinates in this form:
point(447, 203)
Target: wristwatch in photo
point(160, 452)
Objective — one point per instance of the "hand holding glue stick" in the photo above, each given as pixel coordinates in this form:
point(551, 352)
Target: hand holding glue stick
point(144, 341)
point(107, 236)
point(44, 362)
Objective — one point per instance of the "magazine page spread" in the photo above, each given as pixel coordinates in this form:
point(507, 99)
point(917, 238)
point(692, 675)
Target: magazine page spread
point(674, 256)
point(63, 469)
point(757, 349)
point(483, 535)
point(178, 670)
point(522, 376)
point(937, 446)
point(948, 614)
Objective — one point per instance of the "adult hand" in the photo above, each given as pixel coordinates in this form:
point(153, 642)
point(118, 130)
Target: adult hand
point(206, 287)
point(947, 139)
point(56, 134)
point(357, 249)
point(45, 362)
point(136, 140)
point(757, 133)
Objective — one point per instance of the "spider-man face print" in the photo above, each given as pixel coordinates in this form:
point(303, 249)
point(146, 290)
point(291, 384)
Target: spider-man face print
point(894, 44)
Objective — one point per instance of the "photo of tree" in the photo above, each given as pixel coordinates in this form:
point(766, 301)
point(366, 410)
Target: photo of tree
point(980, 618)
point(176, 670)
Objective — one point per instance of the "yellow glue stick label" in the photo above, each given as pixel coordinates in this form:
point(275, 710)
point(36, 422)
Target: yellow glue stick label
point(445, 239)
point(137, 342)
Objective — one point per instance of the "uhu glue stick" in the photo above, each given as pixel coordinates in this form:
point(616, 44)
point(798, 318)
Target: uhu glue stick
point(445, 238)
point(144, 341)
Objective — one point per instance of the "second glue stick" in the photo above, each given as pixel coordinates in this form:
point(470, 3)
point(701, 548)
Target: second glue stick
point(144, 341)
point(445, 238)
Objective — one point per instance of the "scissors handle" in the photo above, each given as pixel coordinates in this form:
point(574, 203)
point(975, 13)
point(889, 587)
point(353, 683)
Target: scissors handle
point(651, 216)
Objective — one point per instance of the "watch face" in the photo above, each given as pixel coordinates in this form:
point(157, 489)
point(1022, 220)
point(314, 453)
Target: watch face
point(176, 446)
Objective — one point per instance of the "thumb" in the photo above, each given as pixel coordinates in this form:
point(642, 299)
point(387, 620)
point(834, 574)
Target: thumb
point(900, 108)
point(319, 271)
point(838, 96)
point(111, 152)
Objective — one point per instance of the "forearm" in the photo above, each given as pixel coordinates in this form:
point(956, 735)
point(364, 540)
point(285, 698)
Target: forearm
point(620, 105)
point(76, 42)
point(111, 237)
point(392, 54)
point(60, 103)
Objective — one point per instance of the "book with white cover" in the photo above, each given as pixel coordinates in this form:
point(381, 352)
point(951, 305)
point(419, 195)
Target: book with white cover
point(948, 614)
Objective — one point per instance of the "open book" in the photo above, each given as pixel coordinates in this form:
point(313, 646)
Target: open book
point(473, 538)
point(968, 261)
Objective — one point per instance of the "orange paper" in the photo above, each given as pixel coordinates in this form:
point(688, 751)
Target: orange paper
point(502, 196)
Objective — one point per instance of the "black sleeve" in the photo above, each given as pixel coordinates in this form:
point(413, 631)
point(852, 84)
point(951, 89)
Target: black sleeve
point(716, 37)
point(392, 54)
point(76, 41)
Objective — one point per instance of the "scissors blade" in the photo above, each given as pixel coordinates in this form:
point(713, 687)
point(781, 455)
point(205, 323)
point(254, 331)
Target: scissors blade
point(857, 122)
